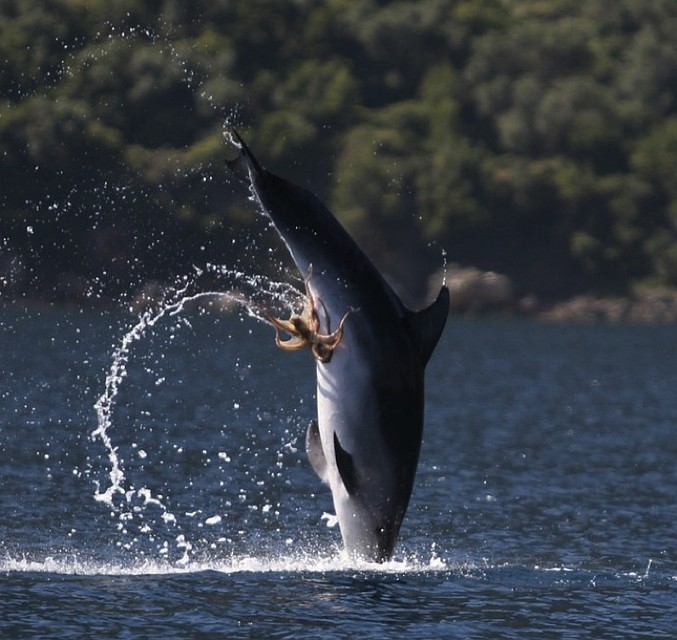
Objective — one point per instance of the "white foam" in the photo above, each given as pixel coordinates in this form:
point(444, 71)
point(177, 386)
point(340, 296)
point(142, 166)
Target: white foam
point(301, 563)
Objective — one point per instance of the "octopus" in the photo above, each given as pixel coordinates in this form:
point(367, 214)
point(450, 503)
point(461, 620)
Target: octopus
point(304, 329)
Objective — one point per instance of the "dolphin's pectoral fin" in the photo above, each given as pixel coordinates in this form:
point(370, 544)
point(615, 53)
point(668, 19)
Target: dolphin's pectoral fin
point(315, 453)
point(425, 327)
point(346, 467)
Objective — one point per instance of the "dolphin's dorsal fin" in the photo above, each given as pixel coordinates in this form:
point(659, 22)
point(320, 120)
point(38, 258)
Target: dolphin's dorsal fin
point(346, 467)
point(315, 453)
point(425, 327)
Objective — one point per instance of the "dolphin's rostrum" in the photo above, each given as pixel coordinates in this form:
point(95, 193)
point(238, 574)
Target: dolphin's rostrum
point(365, 443)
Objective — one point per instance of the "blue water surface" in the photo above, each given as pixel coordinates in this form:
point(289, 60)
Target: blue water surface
point(545, 504)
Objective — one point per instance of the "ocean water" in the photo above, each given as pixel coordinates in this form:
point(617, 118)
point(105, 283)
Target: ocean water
point(545, 505)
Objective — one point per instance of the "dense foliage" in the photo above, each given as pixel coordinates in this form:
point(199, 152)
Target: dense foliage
point(534, 137)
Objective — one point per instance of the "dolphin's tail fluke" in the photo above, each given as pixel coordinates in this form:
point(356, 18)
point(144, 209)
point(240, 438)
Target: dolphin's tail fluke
point(245, 166)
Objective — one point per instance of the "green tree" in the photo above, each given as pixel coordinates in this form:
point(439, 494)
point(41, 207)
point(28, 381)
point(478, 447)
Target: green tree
point(530, 137)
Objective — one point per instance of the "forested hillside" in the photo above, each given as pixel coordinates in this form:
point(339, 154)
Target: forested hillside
point(533, 137)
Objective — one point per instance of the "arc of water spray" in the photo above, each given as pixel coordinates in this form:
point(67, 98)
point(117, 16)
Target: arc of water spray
point(117, 373)
point(120, 358)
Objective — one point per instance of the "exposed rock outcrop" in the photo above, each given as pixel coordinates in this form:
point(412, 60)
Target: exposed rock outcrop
point(645, 307)
point(474, 291)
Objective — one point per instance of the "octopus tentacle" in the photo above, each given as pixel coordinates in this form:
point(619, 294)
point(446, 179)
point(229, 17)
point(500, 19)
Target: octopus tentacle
point(332, 339)
point(304, 329)
point(295, 343)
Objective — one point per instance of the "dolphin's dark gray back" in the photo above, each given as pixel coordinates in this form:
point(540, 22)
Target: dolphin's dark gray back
point(370, 394)
point(315, 237)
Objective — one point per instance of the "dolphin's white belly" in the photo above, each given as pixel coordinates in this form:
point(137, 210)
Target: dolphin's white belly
point(370, 393)
point(348, 411)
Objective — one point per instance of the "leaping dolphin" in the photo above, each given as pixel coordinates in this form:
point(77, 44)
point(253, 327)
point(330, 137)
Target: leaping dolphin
point(371, 353)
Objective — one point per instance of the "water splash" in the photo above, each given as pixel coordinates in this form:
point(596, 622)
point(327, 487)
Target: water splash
point(257, 296)
point(322, 563)
point(300, 562)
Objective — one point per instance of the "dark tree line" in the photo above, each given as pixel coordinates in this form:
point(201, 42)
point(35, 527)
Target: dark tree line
point(534, 138)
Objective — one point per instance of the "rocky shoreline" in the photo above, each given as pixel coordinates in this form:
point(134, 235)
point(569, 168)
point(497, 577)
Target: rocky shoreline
point(650, 307)
point(474, 293)
point(481, 293)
